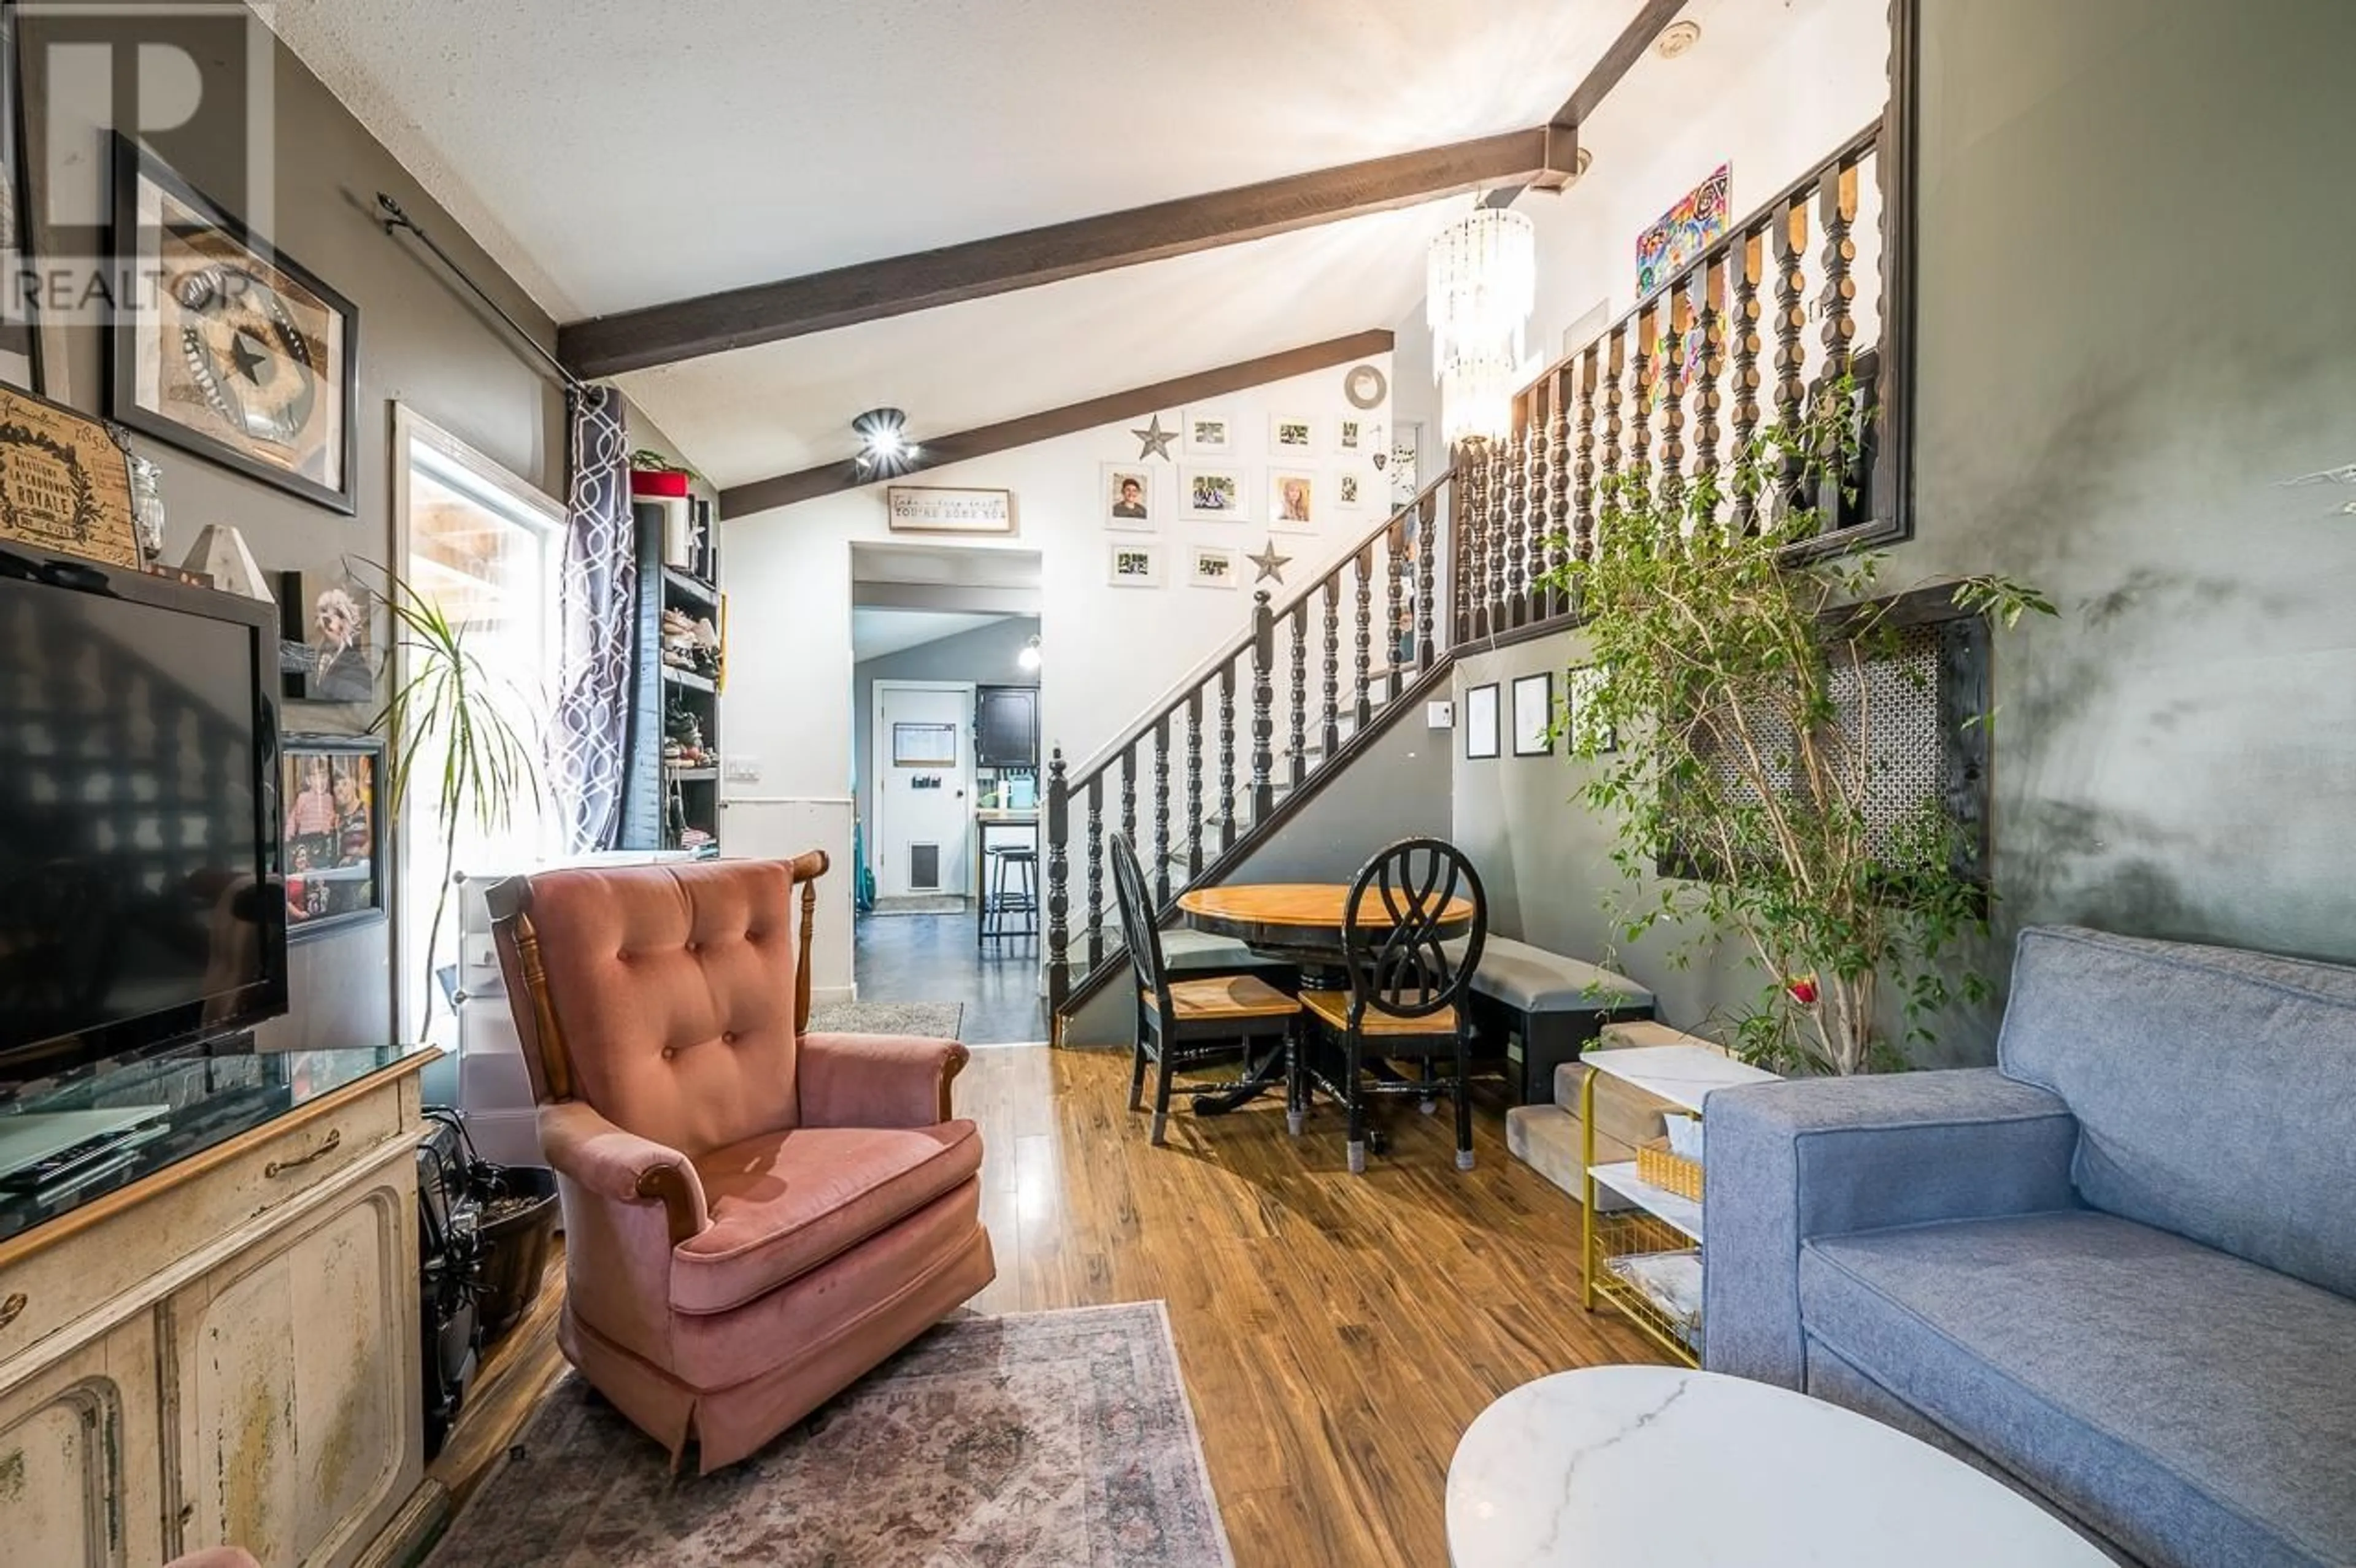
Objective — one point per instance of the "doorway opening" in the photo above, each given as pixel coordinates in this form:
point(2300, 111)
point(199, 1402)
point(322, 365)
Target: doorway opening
point(947, 658)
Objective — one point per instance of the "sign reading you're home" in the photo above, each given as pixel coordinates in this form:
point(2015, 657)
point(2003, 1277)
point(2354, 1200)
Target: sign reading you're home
point(926, 509)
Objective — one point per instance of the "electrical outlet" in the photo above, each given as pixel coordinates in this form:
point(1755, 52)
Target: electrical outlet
point(742, 770)
point(1440, 714)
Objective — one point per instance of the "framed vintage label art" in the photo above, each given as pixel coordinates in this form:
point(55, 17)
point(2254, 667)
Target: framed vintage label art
point(65, 482)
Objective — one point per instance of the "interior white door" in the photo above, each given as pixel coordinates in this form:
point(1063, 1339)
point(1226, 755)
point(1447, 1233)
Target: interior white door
point(923, 788)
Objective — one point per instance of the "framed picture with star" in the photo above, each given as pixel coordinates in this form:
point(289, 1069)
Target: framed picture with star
point(224, 346)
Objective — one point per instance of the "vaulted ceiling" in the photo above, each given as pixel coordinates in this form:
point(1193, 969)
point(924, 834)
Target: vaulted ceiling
point(613, 154)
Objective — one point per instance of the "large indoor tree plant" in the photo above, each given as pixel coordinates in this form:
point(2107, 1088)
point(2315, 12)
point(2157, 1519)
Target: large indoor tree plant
point(1737, 779)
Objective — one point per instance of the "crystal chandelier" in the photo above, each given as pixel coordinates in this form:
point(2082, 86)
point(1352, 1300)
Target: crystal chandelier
point(1480, 283)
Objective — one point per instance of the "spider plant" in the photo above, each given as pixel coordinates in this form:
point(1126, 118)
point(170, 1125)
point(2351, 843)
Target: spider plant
point(453, 728)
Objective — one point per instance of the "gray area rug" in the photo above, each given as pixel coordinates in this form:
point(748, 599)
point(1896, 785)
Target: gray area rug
point(1036, 1440)
point(934, 1021)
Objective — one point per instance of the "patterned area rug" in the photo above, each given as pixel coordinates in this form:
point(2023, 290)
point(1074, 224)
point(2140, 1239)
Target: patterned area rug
point(934, 1021)
point(1037, 1440)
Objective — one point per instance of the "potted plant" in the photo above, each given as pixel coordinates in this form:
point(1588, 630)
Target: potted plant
point(1737, 780)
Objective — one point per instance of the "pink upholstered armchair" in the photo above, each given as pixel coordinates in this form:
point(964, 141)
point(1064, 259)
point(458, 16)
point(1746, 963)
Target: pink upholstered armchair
point(753, 1216)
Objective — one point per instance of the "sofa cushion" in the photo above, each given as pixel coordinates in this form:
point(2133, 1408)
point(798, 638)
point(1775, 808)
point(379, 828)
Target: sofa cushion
point(2214, 1089)
point(785, 1202)
point(1536, 981)
point(2193, 1406)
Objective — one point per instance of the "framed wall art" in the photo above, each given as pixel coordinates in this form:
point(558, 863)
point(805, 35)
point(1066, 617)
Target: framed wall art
point(1131, 497)
point(1697, 222)
point(1210, 492)
point(941, 509)
point(1210, 432)
point(331, 834)
point(1293, 437)
point(1211, 566)
point(1292, 501)
point(1352, 491)
point(65, 484)
point(327, 647)
point(227, 348)
point(1534, 715)
point(1587, 731)
point(1356, 438)
point(1481, 721)
point(1131, 563)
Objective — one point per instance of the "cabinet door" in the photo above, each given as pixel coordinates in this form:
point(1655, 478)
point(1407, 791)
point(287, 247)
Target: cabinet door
point(1008, 723)
point(80, 1458)
point(295, 1381)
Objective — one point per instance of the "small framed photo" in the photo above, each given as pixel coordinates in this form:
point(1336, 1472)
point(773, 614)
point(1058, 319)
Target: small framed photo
point(1210, 432)
point(1211, 493)
point(327, 648)
point(1587, 731)
point(1211, 566)
point(1353, 492)
point(1481, 721)
point(1357, 437)
point(1291, 437)
point(1292, 501)
point(1131, 563)
point(1131, 497)
point(331, 833)
point(1534, 715)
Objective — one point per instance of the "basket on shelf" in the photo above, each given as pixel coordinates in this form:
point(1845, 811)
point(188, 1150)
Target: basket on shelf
point(1658, 1164)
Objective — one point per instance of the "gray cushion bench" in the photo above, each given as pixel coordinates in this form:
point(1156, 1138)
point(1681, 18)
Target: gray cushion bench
point(1546, 1008)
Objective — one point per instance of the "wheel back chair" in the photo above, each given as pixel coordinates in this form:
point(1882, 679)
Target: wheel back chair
point(1190, 1023)
point(753, 1215)
point(1407, 994)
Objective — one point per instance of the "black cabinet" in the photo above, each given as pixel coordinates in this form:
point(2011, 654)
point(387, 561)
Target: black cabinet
point(1006, 727)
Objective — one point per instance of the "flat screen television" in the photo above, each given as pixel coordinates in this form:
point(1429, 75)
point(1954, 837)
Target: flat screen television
point(138, 813)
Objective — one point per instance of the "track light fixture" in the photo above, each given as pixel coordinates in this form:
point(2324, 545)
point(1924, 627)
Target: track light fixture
point(884, 446)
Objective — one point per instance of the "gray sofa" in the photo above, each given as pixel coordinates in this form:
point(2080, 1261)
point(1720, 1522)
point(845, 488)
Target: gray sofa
point(2116, 1269)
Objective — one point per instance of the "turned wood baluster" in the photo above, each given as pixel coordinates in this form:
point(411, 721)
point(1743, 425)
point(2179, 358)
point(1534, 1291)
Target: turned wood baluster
point(1365, 575)
point(1836, 215)
point(1194, 784)
point(1641, 381)
point(1615, 375)
point(1096, 870)
point(1128, 795)
point(1460, 560)
point(1263, 693)
point(1226, 756)
point(1515, 577)
point(1534, 502)
point(1791, 236)
point(1426, 536)
point(1709, 292)
point(1747, 260)
point(1672, 374)
point(1493, 488)
point(1161, 812)
point(1591, 369)
point(1330, 736)
point(1558, 485)
point(1059, 902)
point(1394, 601)
point(1298, 740)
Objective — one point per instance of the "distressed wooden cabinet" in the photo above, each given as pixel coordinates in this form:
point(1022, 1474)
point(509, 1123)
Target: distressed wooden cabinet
point(256, 1381)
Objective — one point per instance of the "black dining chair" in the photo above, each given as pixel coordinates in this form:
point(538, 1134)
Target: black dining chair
point(1184, 1024)
point(1409, 999)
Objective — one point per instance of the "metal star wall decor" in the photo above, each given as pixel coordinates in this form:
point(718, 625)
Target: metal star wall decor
point(1271, 564)
point(1157, 440)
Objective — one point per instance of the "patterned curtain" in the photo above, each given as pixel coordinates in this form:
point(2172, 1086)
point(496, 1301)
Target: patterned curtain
point(600, 596)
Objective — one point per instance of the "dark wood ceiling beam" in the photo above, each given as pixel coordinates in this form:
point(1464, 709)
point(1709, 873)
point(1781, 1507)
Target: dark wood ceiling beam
point(1543, 157)
point(1626, 49)
point(766, 495)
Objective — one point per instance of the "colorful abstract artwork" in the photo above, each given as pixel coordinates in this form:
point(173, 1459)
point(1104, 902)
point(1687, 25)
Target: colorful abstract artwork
point(1684, 233)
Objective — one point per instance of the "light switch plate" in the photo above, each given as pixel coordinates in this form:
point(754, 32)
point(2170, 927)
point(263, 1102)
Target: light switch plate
point(1440, 714)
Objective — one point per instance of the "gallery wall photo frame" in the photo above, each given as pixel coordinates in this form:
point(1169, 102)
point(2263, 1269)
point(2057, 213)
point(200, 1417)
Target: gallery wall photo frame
point(1215, 493)
point(1131, 497)
point(235, 351)
point(1293, 438)
point(1294, 498)
point(1209, 433)
point(1534, 715)
point(331, 832)
point(328, 647)
point(1480, 723)
point(1213, 566)
point(1133, 564)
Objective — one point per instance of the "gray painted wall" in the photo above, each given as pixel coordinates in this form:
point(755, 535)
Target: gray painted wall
point(984, 655)
point(2131, 327)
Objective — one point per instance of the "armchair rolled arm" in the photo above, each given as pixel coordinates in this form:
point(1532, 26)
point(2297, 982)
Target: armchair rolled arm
point(877, 1080)
point(619, 1165)
point(1827, 1157)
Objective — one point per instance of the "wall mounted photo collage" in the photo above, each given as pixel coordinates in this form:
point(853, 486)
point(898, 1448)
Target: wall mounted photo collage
point(1314, 472)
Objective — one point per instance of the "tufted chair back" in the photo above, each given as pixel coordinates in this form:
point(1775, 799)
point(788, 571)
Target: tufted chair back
point(669, 998)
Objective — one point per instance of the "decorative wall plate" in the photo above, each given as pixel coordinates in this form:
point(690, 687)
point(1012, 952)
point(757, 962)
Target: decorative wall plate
point(1366, 385)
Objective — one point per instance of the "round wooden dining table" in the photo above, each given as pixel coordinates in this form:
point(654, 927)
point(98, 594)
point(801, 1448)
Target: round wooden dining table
point(1300, 923)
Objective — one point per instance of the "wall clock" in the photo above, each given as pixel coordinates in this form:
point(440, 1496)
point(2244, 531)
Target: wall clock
point(1366, 386)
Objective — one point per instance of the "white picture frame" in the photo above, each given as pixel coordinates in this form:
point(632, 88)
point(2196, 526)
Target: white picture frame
point(1353, 490)
point(1133, 564)
point(1357, 437)
point(1215, 493)
point(1295, 499)
point(1118, 510)
point(1208, 432)
point(1213, 566)
point(1293, 437)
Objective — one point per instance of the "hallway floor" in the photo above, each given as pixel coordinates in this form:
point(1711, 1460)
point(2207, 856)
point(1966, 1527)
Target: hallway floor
point(931, 958)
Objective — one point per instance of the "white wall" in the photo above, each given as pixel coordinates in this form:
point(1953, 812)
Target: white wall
point(1109, 652)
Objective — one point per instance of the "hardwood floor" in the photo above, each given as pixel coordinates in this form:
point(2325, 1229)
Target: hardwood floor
point(1337, 1333)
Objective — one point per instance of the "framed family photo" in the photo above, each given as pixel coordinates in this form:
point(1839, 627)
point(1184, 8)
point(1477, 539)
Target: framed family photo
point(1131, 563)
point(228, 347)
point(1292, 501)
point(331, 831)
point(1131, 497)
point(1291, 437)
point(1357, 437)
point(1213, 566)
point(1211, 494)
point(327, 649)
point(1210, 432)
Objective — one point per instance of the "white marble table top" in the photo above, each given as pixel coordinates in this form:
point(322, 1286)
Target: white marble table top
point(1681, 1075)
point(1674, 1469)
